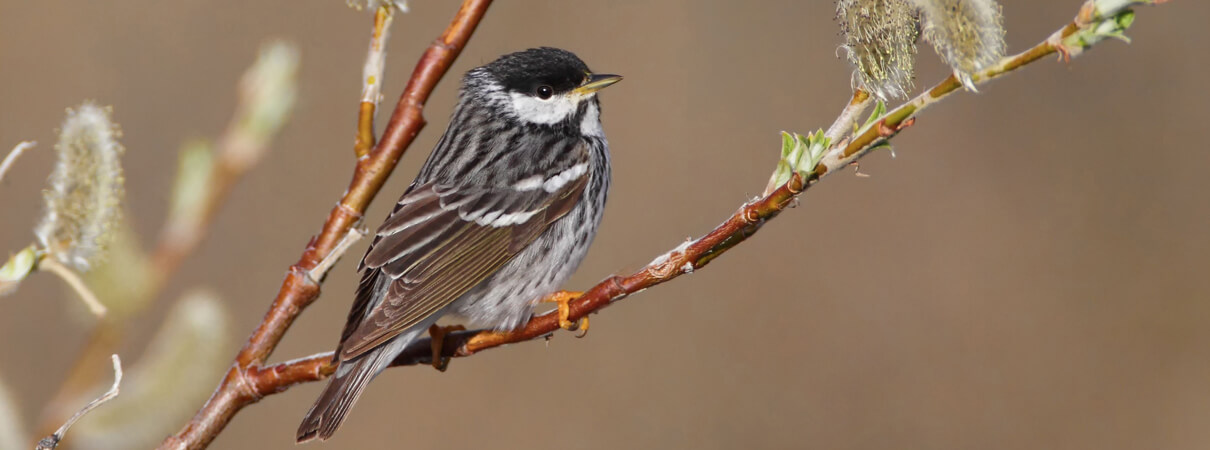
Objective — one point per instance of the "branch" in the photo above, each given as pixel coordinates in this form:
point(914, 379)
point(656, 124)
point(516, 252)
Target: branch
point(849, 117)
point(686, 258)
point(13, 155)
point(266, 96)
point(203, 183)
point(52, 441)
point(299, 290)
point(372, 78)
point(52, 265)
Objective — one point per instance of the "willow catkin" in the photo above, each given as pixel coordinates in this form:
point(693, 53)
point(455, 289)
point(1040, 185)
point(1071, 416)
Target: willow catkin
point(880, 39)
point(967, 34)
point(401, 5)
point(83, 204)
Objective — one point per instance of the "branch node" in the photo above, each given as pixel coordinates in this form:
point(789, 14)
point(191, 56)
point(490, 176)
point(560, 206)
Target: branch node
point(245, 384)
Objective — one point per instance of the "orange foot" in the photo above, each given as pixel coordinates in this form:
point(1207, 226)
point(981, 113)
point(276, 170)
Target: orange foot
point(562, 298)
point(437, 342)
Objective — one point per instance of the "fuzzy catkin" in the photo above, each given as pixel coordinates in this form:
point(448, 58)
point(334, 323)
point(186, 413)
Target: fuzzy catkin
point(83, 204)
point(967, 34)
point(880, 38)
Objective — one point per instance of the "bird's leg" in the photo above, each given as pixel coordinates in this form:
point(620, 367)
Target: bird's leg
point(562, 298)
point(437, 342)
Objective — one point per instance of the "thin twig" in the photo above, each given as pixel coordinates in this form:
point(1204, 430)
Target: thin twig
point(239, 149)
point(371, 79)
point(52, 441)
point(686, 258)
point(298, 290)
point(355, 234)
point(849, 117)
point(248, 381)
point(241, 146)
point(13, 155)
point(50, 264)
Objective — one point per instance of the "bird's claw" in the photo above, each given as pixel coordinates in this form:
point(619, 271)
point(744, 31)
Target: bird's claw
point(563, 300)
point(437, 343)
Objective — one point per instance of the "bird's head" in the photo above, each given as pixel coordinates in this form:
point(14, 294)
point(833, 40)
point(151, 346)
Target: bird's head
point(544, 86)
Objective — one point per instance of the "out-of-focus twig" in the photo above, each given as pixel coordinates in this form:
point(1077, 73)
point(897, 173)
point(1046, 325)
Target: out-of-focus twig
point(266, 96)
point(299, 290)
point(13, 434)
point(73, 280)
point(190, 348)
point(52, 441)
point(13, 155)
point(372, 78)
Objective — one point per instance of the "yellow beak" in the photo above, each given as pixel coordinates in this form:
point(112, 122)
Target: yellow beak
point(597, 82)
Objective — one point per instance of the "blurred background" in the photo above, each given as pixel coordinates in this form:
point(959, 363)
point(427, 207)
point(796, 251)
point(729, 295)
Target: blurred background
point(1028, 272)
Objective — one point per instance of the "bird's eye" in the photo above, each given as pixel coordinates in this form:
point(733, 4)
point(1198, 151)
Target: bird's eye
point(544, 92)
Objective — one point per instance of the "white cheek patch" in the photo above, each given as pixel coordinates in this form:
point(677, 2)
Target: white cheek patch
point(550, 111)
point(590, 124)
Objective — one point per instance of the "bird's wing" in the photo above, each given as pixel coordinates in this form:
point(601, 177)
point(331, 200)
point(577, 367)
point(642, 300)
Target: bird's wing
point(440, 242)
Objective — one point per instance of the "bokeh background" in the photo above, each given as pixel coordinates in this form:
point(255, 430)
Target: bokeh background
point(1030, 270)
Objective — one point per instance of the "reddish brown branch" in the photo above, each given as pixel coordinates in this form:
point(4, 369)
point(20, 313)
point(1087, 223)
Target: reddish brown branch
point(248, 381)
point(372, 80)
point(298, 290)
point(689, 257)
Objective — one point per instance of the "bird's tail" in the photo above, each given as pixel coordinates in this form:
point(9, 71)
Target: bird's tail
point(338, 397)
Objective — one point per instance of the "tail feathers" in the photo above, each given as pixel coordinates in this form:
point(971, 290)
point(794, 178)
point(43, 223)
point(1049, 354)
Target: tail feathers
point(338, 397)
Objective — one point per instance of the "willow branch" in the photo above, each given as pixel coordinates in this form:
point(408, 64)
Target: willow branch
point(850, 116)
point(321, 270)
point(299, 290)
point(52, 441)
point(50, 264)
point(686, 258)
point(371, 79)
point(263, 90)
point(266, 95)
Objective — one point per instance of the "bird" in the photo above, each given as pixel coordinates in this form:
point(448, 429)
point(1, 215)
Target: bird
point(501, 213)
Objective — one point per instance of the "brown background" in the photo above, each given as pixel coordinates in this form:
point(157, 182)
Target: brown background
point(1029, 272)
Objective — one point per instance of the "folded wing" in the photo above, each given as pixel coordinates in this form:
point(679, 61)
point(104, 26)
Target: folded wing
point(439, 243)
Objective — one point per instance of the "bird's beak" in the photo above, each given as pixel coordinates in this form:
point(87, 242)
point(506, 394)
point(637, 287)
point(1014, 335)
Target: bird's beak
point(597, 82)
